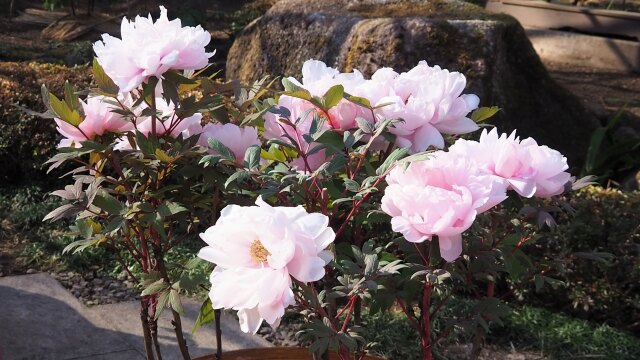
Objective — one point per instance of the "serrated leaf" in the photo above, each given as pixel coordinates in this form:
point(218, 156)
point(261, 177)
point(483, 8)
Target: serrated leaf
point(154, 287)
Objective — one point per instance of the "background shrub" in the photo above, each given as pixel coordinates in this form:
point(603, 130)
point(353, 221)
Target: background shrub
point(26, 141)
point(605, 220)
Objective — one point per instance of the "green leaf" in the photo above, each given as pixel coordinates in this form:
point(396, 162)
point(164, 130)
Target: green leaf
point(174, 301)
point(351, 185)
point(221, 149)
point(396, 155)
point(155, 287)
point(63, 111)
point(238, 176)
point(84, 228)
point(205, 316)
point(144, 144)
point(177, 78)
point(252, 157)
point(364, 102)
point(594, 150)
point(333, 96)
point(484, 113)
point(108, 203)
point(364, 125)
point(295, 90)
point(103, 81)
point(163, 300)
point(169, 208)
point(70, 96)
point(170, 92)
point(274, 154)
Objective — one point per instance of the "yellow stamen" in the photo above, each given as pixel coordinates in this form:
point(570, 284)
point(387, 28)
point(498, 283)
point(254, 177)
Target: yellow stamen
point(258, 252)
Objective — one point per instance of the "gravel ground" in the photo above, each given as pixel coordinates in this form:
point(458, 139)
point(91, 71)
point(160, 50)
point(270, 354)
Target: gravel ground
point(92, 289)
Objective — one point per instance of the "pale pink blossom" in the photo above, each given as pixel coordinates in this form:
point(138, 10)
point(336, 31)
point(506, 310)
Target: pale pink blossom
point(440, 196)
point(237, 139)
point(318, 78)
point(431, 103)
point(256, 249)
point(99, 118)
point(149, 48)
point(530, 169)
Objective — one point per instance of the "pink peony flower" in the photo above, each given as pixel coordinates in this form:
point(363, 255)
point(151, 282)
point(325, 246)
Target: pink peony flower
point(440, 196)
point(237, 139)
point(318, 78)
point(150, 48)
point(256, 250)
point(430, 101)
point(530, 169)
point(99, 119)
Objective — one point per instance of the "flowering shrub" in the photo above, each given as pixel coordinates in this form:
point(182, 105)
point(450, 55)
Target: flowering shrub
point(330, 163)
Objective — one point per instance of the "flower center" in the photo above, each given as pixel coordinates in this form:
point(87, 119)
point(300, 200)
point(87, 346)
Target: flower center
point(258, 252)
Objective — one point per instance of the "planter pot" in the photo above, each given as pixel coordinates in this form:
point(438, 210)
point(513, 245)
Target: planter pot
point(276, 353)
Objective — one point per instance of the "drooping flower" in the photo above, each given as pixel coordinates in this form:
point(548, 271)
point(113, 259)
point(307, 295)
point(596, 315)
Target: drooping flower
point(440, 196)
point(99, 119)
point(530, 169)
point(149, 48)
point(237, 139)
point(256, 250)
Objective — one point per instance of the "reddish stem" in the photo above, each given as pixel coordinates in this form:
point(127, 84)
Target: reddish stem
point(425, 320)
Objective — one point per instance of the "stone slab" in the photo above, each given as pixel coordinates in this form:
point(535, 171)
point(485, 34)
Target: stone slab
point(585, 50)
point(41, 320)
point(125, 319)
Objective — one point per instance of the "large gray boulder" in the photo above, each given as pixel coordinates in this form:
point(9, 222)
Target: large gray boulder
point(491, 50)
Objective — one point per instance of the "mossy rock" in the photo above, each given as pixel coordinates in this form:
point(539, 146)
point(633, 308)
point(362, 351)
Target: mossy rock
point(491, 50)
